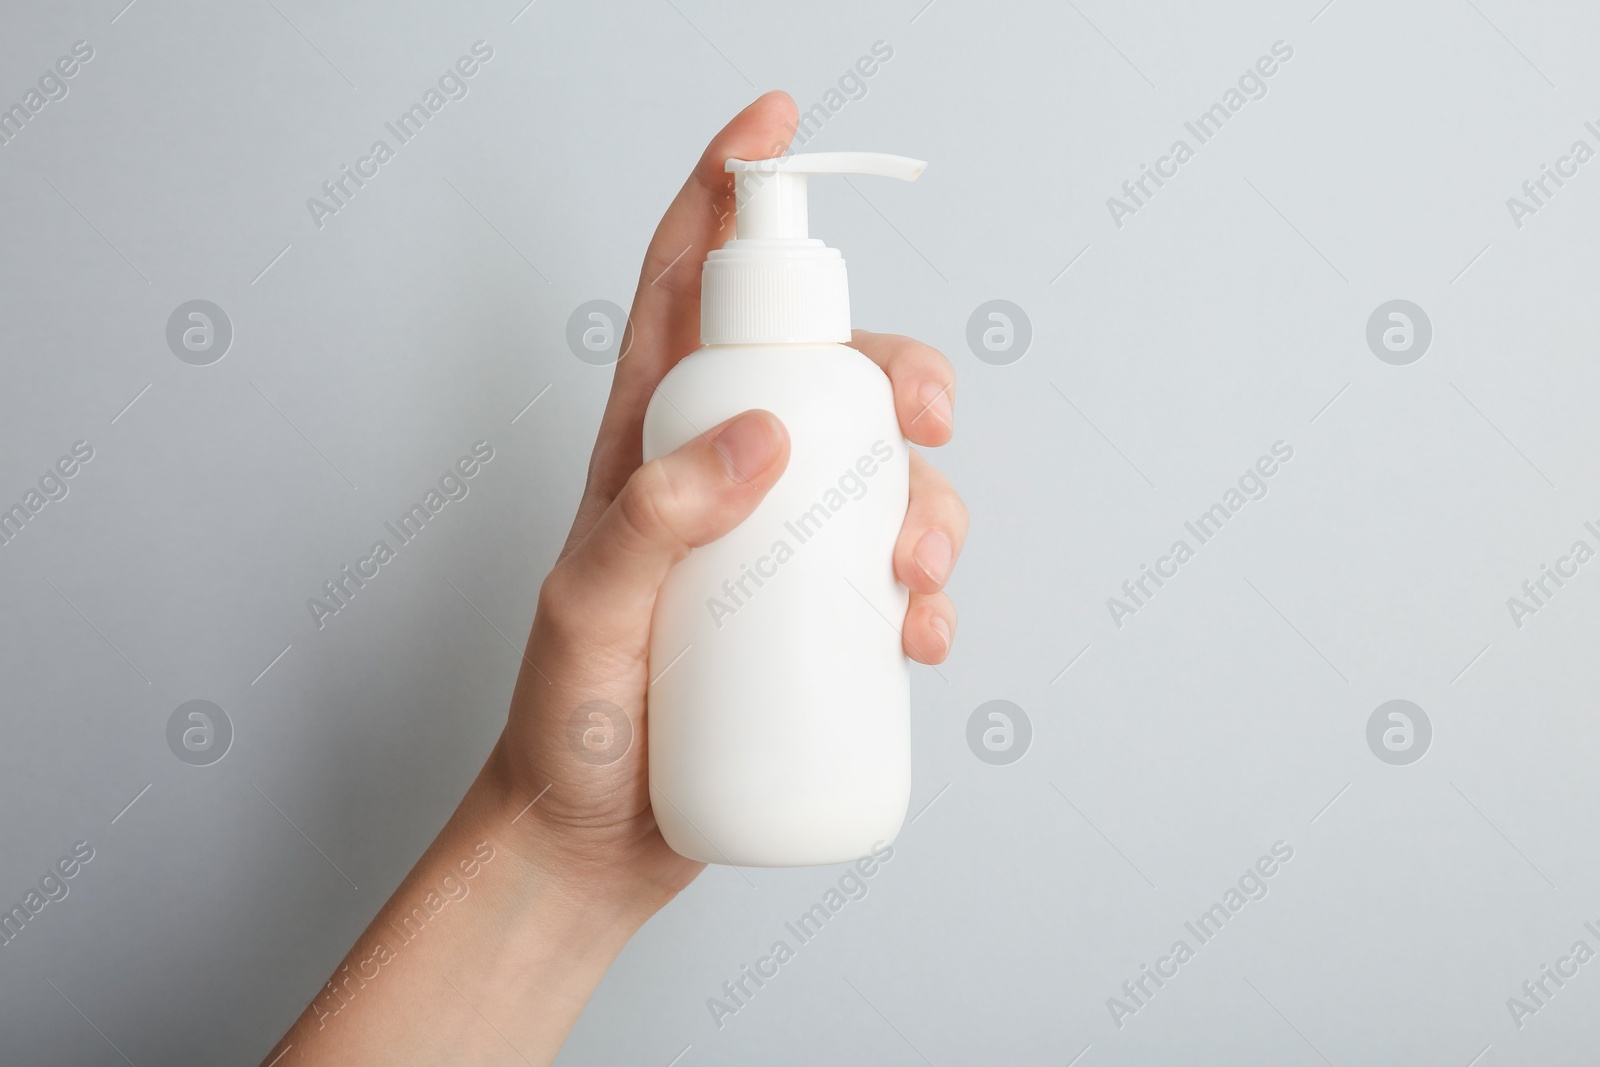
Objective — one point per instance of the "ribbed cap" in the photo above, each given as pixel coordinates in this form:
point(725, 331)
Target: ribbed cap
point(773, 292)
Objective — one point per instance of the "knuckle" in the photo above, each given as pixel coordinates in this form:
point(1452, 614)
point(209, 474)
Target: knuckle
point(960, 516)
point(646, 504)
point(947, 608)
point(944, 504)
point(900, 351)
point(920, 354)
point(558, 608)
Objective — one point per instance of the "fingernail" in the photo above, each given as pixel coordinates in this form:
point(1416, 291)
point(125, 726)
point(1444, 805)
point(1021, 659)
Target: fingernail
point(941, 628)
point(932, 555)
point(938, 402)
point(747, 445)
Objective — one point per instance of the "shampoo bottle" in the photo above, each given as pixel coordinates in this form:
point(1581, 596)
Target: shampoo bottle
point(779, 701)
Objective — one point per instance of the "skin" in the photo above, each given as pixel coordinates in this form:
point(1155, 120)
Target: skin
point(551, 863)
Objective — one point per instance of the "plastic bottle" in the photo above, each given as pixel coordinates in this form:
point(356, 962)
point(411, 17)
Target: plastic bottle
point(779, 702)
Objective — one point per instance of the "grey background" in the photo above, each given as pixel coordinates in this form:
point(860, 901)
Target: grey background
point(1229, 313)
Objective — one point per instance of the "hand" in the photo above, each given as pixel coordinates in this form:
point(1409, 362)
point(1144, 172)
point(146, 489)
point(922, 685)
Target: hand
point(491, 945)
point(591, 634)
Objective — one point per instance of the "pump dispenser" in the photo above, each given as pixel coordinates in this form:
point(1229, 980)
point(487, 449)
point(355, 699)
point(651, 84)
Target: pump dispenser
point(779, 706)
point(774, 282)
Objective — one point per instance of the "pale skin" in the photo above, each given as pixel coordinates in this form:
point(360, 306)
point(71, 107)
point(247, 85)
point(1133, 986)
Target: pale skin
point(551, 862)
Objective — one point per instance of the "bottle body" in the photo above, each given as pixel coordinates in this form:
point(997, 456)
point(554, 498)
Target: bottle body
point(779, 706)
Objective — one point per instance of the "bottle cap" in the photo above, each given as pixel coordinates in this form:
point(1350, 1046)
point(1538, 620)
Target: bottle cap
point(774, 283)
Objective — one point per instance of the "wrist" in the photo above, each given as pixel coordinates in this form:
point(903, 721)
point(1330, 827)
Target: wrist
point(487, 926)
point(555, 867)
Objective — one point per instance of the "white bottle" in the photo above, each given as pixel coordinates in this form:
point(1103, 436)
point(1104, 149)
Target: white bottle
point(779, 706)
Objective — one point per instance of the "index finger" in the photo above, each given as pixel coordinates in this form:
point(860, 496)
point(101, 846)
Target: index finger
point(924, 383)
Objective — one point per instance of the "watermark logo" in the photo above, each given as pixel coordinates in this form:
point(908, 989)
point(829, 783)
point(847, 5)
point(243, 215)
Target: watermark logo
point(1252, 85)
point(51, 888)
point(1399, 332)
point(599, 732)
point(852, 85)
point(851, 886)
point(1537, 192)
point(339, 592)
point(738, 590)
point(339, 191)
point(1250, 887)
point(199, 332)
point(597, 331)
point(199, 733)
point(1537, 992)
point(52, 486)
point(1538, 591)
point(1399, 732)
point(999, 732)
point(52, 86)
point(1139, 591)
point(999, 332)
point(382, 943)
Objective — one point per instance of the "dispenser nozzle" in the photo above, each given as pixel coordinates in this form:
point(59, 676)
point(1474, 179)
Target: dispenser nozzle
point(771, 193)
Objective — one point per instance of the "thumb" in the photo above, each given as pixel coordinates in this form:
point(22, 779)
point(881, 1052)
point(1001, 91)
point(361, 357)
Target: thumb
point(670, 505)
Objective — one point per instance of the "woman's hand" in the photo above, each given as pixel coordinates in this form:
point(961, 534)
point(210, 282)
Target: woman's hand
point(578, 861)
point(590, 644)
